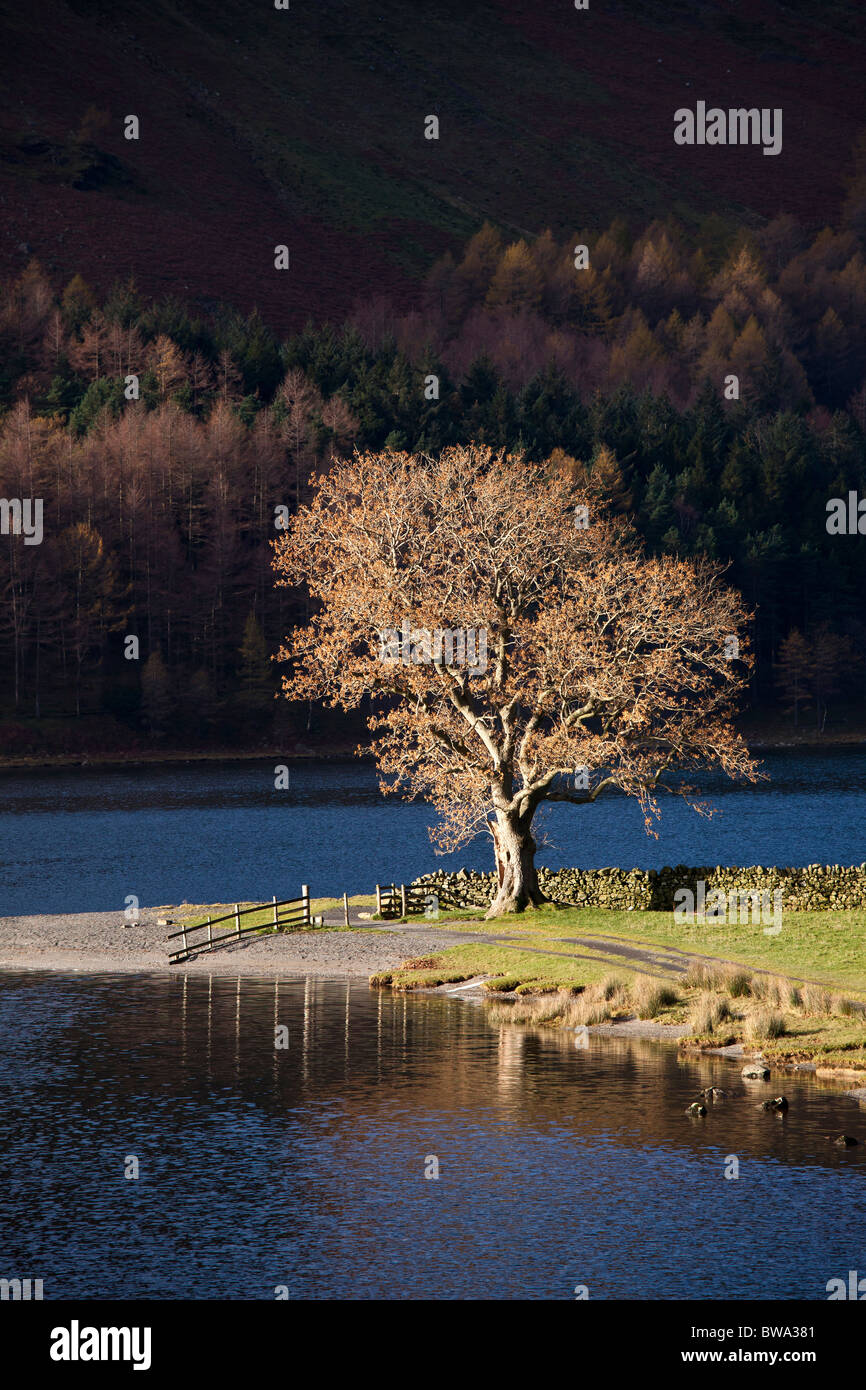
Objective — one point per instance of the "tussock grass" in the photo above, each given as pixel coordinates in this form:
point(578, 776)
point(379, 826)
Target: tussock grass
point(773, 990)
point(843, 1007)
point(650, 996)
point(596, 1004)
point(764, 1025)
point(705, 975)
point(816, 1000)
point(535, 1009)
point(757, 975)
point(591, 1007)
point(707, 1013)
point(613, 987)
point(544, 986)
point(738, 983)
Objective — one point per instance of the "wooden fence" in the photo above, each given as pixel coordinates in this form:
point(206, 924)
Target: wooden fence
point(290, 912)
point(411, 899)
point(390, 900)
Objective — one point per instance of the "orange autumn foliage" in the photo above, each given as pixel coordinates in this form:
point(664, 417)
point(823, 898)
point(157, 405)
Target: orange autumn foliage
point(597, 657)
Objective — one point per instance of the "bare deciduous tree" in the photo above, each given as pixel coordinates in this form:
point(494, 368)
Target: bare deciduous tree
point(597, 657)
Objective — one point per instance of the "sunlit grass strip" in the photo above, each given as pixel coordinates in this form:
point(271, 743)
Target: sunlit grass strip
point(827, 946)
point(716, 1004)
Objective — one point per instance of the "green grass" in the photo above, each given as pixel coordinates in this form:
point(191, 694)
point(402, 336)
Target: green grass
point(468, 960)
point(825, 946)
point(763, 999)
point(502, 984)
point(362, 900)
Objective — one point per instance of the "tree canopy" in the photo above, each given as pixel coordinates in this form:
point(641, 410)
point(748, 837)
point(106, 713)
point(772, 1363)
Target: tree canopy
point(595, 656)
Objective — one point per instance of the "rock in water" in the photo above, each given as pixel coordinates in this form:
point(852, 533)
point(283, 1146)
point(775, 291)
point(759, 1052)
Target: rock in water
point(696, 1108)
point(755, 1072)
point(778, 1105)
point(846, 1141)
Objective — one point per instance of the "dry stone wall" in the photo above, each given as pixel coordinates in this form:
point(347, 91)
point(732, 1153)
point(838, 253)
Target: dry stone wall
point(813, 887)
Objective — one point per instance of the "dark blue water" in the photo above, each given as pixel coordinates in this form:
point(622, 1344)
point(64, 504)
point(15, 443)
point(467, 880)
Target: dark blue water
point(304, 1168)
point(83, 839)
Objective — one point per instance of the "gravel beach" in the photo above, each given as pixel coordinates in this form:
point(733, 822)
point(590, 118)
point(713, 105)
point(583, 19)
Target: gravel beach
point(97, 942)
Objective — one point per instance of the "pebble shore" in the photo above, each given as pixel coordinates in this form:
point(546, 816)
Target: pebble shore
point(100, 942)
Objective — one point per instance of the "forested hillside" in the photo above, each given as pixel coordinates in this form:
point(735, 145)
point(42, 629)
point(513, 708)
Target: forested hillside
point(158, 511)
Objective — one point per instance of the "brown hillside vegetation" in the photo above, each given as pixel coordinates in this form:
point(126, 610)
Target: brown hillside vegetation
point(305, 127)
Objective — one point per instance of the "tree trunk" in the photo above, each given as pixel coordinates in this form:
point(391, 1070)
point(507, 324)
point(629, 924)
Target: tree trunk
point(515, 863)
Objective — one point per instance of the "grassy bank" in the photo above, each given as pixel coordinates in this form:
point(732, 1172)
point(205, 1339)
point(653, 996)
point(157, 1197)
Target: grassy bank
point(793, 996)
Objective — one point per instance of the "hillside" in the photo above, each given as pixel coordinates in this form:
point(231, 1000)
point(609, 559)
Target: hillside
point(305, 126)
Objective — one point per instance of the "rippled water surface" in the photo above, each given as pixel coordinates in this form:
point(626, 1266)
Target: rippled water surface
point(82, 839)
point(304, 1167)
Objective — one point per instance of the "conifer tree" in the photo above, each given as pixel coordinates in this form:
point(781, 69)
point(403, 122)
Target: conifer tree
point(794, 672)
point(157, 695)
point(255, 667)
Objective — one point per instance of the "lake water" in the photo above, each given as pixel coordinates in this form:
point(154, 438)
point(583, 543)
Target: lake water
point(77, 840)
point(304, 1167)
point(80, 839)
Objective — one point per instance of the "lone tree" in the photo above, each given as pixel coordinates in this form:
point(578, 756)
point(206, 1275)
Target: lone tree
point(515, 642)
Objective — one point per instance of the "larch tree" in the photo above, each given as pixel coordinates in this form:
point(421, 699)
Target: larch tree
point(794, 671)
point(516, 644)
point(157, 694)
point(166, 362)
point(518, 282)
point(90, 355)
point(255, 670)
point(96, 596)
point(832, 656)
point(480, 260)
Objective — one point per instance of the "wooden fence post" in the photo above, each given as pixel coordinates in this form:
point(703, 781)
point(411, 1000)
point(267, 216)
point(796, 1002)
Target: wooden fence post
point(346, 908)
point(305, 897)
point(276, 916)
point(185, 947)
point(238, 917)
point(379, 899)
point(209, 932)
point(404, 912)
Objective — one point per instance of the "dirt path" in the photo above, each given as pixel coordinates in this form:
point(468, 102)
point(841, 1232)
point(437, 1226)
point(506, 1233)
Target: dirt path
point(674, 959)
